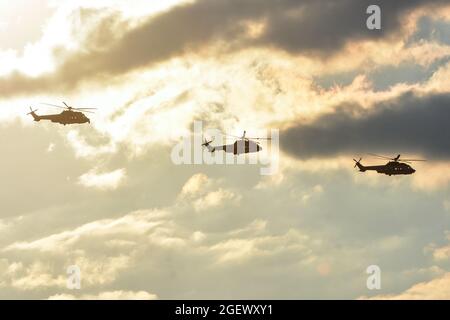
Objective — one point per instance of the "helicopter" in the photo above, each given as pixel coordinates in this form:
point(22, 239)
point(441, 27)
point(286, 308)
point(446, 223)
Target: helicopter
point(70, 115)
point(395, 166)
point(240, 146)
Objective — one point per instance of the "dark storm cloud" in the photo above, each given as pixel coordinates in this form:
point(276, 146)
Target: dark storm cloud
point(324, 26)
point(320, 27)
point(409, 124)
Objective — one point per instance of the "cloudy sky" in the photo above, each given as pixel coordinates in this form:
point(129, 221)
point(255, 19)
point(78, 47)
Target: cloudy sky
point(109, 199)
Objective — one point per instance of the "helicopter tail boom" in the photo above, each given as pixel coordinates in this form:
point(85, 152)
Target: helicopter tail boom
point(210, 148)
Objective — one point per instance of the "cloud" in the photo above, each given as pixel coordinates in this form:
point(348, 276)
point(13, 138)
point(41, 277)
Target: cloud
point(195, 184)
point(442, 253)
point(439, 81)
point(39, 275)
point(108, 295)
point(36, 275)
point(116, 46)
point(131, 224)
point(216, 198)
point(408, 124)
point(3, 225)
point(307, 196)
point(84, 149)
point(223, 230)
point(436, 289)
point(103, 181)
point(431, 177)
point(237, 249)
point(197, 190)
point(101, 249)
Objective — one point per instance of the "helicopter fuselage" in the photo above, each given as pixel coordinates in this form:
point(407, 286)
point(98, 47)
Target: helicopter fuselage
point(65, 117)
point(391, 168)
point(239, 147)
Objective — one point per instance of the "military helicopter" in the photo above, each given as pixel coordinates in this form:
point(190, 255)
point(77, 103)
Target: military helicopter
point(240, 146)
point(70, 115)
point(395, 166)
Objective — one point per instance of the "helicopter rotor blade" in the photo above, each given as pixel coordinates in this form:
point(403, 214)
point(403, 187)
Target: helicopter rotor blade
point(260, 138)
point(379, 156)
point(53, 105)
point(206, 143)
point(31, 111)
point(397, 158)
point(232, 136)
point(83, 109)
point(67, 107)
point(412, 160)
point(243, 137)
point(356, 162)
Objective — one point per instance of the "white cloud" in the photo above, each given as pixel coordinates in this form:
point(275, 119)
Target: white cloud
point(197, 183)
point(237, 250)
point(51, 147)
point(436, 289)
point(37, 275)
point(431, 176)
point(131, 224)
point(108, 295)
point(215, 199)
point(102, 181)
point(84, 150)
point(104, 270)
point(256, 227)
point(441, 253)
point(197, 191)
point(198, 236)
point(3, 225)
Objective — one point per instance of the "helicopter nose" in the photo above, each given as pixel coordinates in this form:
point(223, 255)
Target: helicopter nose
point(413, 170)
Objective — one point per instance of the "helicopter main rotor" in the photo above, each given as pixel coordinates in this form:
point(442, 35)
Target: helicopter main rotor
point(395, 159)
point(70, 108)
point(244, 137)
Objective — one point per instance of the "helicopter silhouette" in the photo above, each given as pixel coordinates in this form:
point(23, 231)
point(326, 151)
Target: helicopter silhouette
point(70, 115)
point(240, 146)
point(395, 166)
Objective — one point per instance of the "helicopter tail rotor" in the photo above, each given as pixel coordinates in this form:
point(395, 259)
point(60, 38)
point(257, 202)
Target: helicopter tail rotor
point(359, 165)
point(31, 111)
point(207, 145)
point(34, 115)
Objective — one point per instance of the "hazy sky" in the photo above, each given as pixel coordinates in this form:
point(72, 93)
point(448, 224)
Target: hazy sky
point(108, 198)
